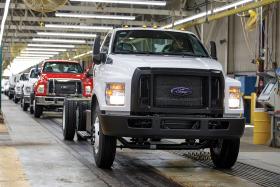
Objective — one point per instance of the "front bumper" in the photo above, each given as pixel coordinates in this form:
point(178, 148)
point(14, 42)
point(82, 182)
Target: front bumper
point(18, 95)
point(49, 101)
point(177, 127)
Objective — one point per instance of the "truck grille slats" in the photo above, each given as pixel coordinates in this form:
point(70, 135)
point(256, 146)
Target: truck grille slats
point(181, 91)
point(65, 87)
point(164, 98)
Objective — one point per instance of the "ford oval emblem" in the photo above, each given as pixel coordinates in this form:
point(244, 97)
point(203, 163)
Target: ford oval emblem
point(181, 91)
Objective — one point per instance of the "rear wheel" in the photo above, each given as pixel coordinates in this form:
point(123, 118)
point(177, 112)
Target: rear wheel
point(38, 110)
point(104, 147)
point(69, 120)
point(225, 152)
point(81, 117)
point(16, 100)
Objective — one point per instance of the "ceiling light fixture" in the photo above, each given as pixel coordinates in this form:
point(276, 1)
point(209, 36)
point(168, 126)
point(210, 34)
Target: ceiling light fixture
point(40, 52)
point(97, 16)
point(58, 40)
point(51, 45)
point(32, 55)
point(203, 14)
point(78, 27)
point(45, 49)
point(6, 11)
point(135, 2)
point(66, 34)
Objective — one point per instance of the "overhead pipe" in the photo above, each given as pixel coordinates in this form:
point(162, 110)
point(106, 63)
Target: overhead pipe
point(227, 13)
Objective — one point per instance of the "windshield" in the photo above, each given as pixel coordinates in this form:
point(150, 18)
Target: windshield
point(158, 43)
point(62, 67)
point(34, 74)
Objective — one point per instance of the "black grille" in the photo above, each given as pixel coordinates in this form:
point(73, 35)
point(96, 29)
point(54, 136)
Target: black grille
point(153, 91)
point(163, 86)
point(65, 87)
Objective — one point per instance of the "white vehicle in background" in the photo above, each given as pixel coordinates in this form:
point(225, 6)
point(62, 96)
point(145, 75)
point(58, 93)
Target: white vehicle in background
point(6, 87)
point(12, 85)
point(3, 83)
point(21, 78)
point(27, 89)
point(157, 84)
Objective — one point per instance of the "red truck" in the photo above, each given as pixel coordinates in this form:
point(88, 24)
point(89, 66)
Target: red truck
point(59, 79)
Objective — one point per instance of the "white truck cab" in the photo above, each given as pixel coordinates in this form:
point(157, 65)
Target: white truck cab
point(28, 88)
point(159, 84)
point(21, 78)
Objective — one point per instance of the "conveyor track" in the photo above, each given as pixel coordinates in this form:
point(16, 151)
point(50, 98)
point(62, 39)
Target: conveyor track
point(248, 172)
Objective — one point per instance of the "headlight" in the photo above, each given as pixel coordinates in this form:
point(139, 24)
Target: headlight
point(115, 93)
point(88, 90)
point(41, 89)
point(28, 89)
point(234, 98)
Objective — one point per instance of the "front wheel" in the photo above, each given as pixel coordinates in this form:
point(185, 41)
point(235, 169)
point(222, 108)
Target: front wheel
point(24, 105)
point(224, 153)
point(38, 110)
point(69, 120)
point(104, 147)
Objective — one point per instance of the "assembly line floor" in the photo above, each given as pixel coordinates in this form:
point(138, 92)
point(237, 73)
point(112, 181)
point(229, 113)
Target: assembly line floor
point(33, 153)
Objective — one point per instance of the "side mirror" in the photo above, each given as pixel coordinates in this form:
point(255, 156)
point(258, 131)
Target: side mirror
point(96, 57)
point(213, 50)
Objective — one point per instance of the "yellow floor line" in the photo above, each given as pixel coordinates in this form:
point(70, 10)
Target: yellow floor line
point(3, 128)
point(11, 171)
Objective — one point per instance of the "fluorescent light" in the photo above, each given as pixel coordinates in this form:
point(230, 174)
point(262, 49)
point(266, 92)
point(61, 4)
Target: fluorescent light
point(97, 16)
point(81, 55)
point(134, 2)
point(51, 45)
point(59, 40)
point(66, 34)
point(6, 11)
point(45, 49)
point(232, 5)
point(78, 27)
point(40, 52)
point(203, 14)
point(31, 55)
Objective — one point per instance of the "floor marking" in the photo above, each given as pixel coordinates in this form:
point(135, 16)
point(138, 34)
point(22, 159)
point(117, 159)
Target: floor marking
point(11, 171)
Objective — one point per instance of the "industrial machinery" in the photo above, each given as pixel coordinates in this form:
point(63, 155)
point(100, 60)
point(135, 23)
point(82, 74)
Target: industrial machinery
point(270, 98)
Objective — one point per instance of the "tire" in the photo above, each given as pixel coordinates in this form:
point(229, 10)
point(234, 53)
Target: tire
point(38, 110)
point(81, 117)
point(24, 105)
point(11, 96)
point(69, 120)
point(31, 108)
point(16, 100)
point(104, 147)
point(224, 154)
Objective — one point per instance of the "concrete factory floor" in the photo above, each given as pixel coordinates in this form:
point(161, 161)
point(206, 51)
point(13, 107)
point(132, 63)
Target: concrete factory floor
point(33, 153)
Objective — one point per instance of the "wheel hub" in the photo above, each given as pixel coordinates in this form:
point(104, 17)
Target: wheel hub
point(96, 135)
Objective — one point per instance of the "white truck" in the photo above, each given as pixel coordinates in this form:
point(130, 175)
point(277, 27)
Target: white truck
point(12, 85)
point(21, 78)
point(27, 89)
point(157, 84)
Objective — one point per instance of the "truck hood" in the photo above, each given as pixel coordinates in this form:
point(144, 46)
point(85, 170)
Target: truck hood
point(156, 61)
point(61, 76)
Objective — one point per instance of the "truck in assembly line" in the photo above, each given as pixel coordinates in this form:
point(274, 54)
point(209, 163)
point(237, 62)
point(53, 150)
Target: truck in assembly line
point(59, 79)
point(157, 84)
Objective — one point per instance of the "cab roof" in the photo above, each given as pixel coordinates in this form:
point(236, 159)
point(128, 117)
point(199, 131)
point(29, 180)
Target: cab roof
point(151, 29)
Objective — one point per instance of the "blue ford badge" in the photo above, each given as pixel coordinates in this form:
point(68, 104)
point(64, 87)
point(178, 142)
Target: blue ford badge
point(181, 91)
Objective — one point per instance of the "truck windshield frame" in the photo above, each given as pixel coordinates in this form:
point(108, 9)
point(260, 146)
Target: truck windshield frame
point(62, 67)
point(153, 42)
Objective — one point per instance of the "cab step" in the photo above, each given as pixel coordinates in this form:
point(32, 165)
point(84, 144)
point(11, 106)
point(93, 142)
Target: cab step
point(84, 134)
